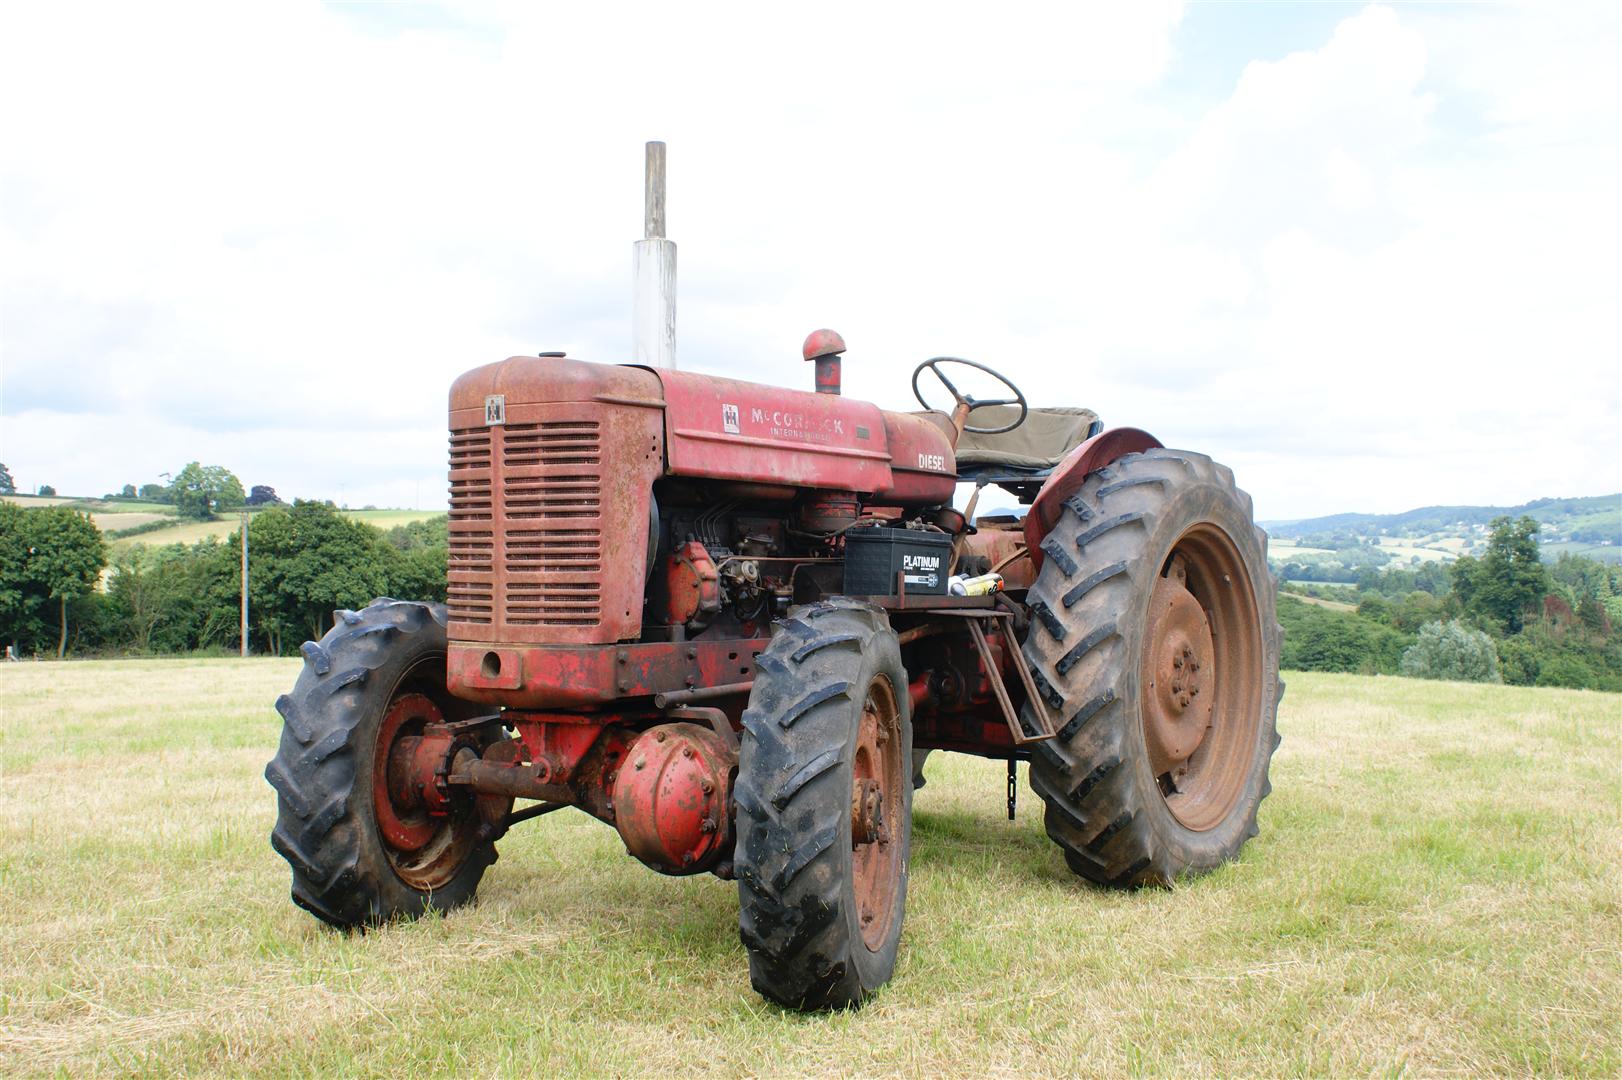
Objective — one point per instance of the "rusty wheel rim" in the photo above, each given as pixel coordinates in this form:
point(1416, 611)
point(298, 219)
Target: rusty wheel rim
point(1201, 677)
point(876, 813)
point(424, 851)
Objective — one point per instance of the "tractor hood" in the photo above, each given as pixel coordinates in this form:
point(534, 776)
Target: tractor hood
point(728, 429)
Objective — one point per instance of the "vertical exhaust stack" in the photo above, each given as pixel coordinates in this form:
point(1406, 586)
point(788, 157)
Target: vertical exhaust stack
point(653, 317)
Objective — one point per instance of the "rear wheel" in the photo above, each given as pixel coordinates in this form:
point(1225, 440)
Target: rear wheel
point(824, 808)
point(1153, 636)
point(361, 853)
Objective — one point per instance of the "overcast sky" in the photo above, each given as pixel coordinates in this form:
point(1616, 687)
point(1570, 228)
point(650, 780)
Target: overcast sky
point(1366, 255)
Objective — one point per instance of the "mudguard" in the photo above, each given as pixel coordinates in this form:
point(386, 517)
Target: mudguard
point(1067, 476)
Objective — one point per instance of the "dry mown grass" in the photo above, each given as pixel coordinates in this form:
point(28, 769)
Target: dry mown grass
point(1435, 890)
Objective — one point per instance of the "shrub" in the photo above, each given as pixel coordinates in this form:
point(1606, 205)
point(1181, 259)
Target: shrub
point(1319, 639)
point(1452, 650)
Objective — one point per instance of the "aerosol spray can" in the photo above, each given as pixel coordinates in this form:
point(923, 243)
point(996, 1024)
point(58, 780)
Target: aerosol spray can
point(984, 585)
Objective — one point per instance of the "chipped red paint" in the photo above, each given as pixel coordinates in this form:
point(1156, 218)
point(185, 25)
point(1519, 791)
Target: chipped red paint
point(1067, 478)
point(672, 798)
point(689, 587)
point(565, 677)
point(555, 745)
point(411, 742)
point(726, 429)
point(550, 497)
point(923, 468)
point(822, 343)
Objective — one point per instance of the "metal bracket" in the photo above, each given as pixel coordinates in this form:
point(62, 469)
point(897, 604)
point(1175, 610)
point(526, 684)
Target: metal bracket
point(1038, 706)
point(712, 716)
point(472, 723)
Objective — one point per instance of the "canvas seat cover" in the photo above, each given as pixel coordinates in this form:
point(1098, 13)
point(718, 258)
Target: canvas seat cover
point(1041, 442)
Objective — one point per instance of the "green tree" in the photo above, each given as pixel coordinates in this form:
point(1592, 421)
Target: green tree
point(1319, 639)
point(128, 492)
point(184, 598)
point(47, 491)
point(156, 492)
point(1452, 650)
point(419, 574)
point(432, 532)
point(1415, 610)
point(305, 561)
point(1508, 583)
point(1591, 613)
point(1375, 608)
point(202, 490)
point(51, 553)
point(136, 590)
point(18, 616)
point(68, 557)
point(8, 486)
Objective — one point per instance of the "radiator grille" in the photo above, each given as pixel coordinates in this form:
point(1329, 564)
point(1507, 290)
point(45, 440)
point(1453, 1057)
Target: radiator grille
point(540, 534)
point(471, 593)
point(559, 442)
point(552, 548)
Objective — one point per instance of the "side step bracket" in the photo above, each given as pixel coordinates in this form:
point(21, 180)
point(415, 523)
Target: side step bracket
point(1038, 706)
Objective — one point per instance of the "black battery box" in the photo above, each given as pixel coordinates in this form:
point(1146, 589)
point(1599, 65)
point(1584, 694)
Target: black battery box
point(876, 557)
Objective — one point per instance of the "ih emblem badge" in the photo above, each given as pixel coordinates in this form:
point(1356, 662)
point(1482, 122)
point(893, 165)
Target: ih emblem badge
point(495, 409)
point(729, 418)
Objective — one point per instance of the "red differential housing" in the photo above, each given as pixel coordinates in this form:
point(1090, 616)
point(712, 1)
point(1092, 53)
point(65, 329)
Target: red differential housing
point(671, 798)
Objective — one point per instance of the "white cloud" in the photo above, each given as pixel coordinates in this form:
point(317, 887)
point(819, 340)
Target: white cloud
point(272, 236)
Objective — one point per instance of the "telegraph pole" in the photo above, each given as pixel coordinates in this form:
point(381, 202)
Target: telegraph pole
point(244, 583)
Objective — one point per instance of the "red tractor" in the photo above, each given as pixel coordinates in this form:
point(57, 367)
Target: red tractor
point(721, 618)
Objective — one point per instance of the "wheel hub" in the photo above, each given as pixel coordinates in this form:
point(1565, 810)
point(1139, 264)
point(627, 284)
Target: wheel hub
point(876, 803)
point(867, 814)
point(397, 796)
point(1179, 697)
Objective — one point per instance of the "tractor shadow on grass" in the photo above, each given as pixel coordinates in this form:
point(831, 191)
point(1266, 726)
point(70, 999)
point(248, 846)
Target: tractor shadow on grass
point(985, 842)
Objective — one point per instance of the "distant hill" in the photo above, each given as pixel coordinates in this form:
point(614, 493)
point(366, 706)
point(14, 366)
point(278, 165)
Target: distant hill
point(1589, 526)
point(139, 521)
point(1601, 512)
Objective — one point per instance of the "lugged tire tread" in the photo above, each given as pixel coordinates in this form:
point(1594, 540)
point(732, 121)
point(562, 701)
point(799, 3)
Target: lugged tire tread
point(314, 770)
point(807, 773)
point(1094, 810)
point(789, 799)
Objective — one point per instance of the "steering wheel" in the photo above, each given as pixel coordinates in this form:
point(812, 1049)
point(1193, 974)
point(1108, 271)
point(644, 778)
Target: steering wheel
point(933, 366)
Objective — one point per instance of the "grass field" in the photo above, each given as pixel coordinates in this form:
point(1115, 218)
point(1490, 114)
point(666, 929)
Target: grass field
point(115, 520)
point(1284, 549)
point(190, 532)
point(1599, 552)
point(1435, 890)
point(1404, 550)
point(26, 501)
point(1332, 605)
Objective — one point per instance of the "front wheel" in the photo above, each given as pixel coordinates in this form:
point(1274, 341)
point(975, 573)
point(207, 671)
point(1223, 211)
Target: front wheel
point(1153, 636)
point(824, 808)
point(361, 854)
